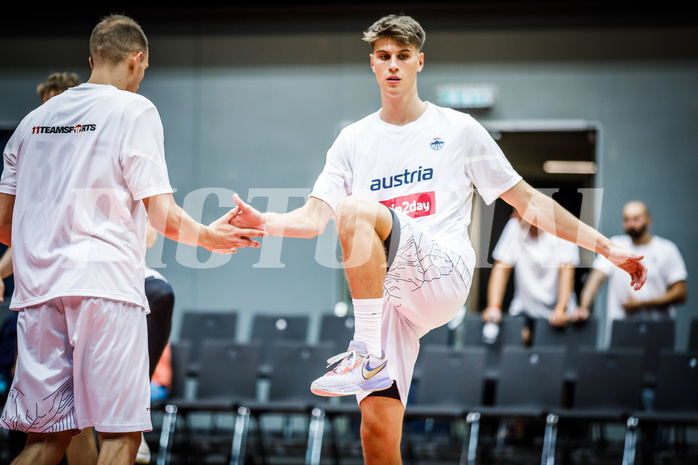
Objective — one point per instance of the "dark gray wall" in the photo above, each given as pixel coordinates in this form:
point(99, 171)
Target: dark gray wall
point(255, 113)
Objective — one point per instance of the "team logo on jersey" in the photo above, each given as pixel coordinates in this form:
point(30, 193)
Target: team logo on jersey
point(77, 129)
point(436, 144)
point(413, 205)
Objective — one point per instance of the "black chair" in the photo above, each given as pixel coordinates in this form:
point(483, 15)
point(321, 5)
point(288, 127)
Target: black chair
point(227, 380)
point(438, 337)
point(296, 365)
point(530, 386)
point(571, 337)
point(676, 396)
point(450, 389)
point(651, 335)
point(509, 334)
point(268, 329)
point(609, 389)
point(693, 335)
point(198, 325)
point(336, 329)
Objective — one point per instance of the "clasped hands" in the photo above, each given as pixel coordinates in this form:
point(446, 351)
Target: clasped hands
point(239, 226)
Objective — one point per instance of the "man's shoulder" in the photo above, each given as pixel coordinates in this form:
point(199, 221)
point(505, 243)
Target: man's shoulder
point(664, 243)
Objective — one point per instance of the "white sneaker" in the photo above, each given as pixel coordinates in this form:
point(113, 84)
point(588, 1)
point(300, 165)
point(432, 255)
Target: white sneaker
point(357, 372)
point(143, 455)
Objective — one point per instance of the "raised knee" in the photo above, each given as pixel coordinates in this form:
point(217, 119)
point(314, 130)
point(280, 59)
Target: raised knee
point(350, 207)
point(354, 212)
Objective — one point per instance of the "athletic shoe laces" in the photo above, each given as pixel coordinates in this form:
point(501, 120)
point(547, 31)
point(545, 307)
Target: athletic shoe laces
point(347, 360)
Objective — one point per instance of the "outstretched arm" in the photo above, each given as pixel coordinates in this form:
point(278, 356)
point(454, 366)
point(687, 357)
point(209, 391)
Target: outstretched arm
point(173, 222)
point(545, 213)
point(305, 222)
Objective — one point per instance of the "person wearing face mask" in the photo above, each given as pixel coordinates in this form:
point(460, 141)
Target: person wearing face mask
point(665, 287)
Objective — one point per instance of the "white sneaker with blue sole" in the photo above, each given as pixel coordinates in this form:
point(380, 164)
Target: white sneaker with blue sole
point(357, 372)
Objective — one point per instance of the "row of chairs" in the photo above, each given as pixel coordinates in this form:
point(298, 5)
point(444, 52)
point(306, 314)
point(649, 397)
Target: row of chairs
point(653, 336)
point(228, 382)
point(531, 385)
point(650, 337)
point(608, 389)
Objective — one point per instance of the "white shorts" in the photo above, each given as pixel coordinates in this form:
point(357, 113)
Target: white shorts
point(82, 362)
point(425, 287)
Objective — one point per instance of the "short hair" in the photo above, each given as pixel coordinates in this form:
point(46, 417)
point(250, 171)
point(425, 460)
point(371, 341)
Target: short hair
point(57, 83)
point(404, 30)
point(115, 38)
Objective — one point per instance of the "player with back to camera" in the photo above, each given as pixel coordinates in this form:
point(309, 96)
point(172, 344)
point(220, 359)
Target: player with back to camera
point(399, 184)
point(82, 173)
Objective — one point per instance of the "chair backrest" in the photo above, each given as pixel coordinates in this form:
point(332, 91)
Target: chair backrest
point(228, 370)
point(336, 329)
point(441, 336)
point(571, 337)
point(531, 377)
point(198, 325)
point(268, 329)
point(296, 365)
point(509, 334)
point(451, 377)
point(180, 362)
point(609, 379)
point(677, 381)
point(693, 335)
point(651, 335)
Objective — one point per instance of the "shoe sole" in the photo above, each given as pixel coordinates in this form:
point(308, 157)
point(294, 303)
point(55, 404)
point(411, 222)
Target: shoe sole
point(371, 385)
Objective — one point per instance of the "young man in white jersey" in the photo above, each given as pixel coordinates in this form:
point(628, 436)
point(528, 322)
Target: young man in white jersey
point(665, 288)
point(81, 174)
point(399, 184)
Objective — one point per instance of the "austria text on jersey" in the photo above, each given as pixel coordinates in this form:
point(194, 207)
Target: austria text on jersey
point(402, 178)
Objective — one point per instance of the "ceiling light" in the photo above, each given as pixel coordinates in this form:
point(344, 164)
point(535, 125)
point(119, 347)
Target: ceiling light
point(569, 167)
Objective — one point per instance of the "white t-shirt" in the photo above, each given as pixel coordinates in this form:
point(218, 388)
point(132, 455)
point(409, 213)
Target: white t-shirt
point(79, 167)
point(427, 169)
point(536, 262)
point(665, 267)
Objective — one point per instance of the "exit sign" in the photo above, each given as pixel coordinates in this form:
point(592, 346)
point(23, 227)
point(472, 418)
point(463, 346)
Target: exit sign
point(478, 96)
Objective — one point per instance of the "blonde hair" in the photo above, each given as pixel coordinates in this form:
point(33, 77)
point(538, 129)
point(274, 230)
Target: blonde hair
point(57, 83)
point(404, 30)
point(115, 38)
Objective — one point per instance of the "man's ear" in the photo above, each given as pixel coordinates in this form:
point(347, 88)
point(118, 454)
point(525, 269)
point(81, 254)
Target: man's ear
point(134, 59)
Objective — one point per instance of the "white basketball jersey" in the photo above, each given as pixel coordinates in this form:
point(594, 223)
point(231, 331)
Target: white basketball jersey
point(427, 169)
point(79, 167)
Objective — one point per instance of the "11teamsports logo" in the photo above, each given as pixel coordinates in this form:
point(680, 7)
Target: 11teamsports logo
point(77, 129)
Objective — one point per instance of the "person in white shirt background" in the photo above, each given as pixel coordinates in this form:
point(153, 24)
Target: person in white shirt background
point(665, 287)
point(82, 172)
point(543, 267)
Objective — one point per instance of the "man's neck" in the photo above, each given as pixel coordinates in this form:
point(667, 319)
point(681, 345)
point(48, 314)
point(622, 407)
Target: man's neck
point(108, 77)
point(401, 110)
